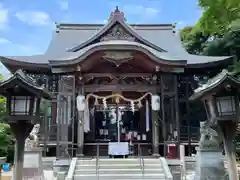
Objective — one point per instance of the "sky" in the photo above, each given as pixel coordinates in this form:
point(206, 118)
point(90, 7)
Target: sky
point(26, 25)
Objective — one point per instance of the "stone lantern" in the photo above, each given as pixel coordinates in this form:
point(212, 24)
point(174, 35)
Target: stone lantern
point(23, 103)
point(220, 96)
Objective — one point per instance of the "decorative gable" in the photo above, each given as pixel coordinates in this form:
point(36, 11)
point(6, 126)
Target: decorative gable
point(117, 32)
point(116, 29)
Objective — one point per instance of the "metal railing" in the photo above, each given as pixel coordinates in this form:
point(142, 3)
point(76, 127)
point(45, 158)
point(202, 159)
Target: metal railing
point(141, 160)
point(97, 162)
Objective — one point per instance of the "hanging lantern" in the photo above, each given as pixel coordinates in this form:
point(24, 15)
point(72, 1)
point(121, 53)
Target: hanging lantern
point(155, 102)
point(81, 103)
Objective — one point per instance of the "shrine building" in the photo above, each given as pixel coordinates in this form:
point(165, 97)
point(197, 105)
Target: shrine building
point(118, 82)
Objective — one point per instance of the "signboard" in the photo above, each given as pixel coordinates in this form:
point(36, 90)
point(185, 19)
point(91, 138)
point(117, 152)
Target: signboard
point(31, 160)
point(118, 148)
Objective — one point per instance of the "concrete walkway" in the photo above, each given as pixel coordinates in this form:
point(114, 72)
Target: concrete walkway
point(48, 175)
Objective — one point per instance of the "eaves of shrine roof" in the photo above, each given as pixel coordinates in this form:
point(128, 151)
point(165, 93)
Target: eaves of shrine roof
point(67, 58)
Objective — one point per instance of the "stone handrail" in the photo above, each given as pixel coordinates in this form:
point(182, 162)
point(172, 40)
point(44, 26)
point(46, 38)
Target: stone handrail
point(71, 169)
point(166, 169)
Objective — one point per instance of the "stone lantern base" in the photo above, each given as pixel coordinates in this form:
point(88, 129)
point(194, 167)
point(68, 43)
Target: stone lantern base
point(32, 166)
point(209, 165)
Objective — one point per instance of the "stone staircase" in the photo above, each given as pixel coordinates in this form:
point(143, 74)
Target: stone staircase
point(119, 169)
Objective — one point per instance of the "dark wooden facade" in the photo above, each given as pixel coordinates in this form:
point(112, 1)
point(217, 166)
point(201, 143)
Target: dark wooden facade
point(120, 58)
point(176, 114)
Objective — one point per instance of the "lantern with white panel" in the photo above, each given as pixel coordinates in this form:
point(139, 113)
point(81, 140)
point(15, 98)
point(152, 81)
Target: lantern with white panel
point(23, 105)
point(227, 105)
point(81, 103)
point(155, 102)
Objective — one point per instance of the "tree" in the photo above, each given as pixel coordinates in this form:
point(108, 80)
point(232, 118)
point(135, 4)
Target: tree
point(217, 16)
point(6, 136)
point(227, 45)
point(194, 41)
point(6, 142)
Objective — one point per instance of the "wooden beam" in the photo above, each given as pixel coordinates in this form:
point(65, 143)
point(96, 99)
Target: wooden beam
point(134, 87)
point(97, 75)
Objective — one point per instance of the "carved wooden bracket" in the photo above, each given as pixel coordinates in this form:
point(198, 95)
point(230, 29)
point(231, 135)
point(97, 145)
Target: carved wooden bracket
point(117, 33)
point(117, 57)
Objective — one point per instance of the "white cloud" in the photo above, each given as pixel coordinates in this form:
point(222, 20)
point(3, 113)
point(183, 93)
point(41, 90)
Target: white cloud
point(3, 17)
point(101, 21)
point(35, 18)
point(146, 12)
point(63, 5)
point(4, 41)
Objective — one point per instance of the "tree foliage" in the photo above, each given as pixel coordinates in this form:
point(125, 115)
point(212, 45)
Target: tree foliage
point(217, 16)
point(6, 142)
point(194, 41)
point(6, 136)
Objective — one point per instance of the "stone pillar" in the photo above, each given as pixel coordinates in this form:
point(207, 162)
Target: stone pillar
point(21, 131)
point(80, 137)
point(155, 133)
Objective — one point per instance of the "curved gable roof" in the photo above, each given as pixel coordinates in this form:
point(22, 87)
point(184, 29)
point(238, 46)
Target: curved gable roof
point(116, 18)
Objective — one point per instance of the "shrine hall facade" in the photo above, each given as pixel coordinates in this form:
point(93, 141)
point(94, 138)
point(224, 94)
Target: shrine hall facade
point(118, 67)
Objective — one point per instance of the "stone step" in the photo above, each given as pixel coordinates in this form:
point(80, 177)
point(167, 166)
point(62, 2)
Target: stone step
point(118, 169)
point(120, 176)
point(118, 166)
point(122, 171)
point(95, 178)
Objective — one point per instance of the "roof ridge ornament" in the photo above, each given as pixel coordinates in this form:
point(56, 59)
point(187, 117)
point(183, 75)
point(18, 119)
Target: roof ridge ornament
point(117, 14)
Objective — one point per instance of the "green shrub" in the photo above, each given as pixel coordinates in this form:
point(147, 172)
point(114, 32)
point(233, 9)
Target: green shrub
point(7, 141)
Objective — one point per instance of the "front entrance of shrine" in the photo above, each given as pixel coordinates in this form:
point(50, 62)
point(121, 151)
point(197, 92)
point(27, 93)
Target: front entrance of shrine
point(120, 128)
point(117, 123)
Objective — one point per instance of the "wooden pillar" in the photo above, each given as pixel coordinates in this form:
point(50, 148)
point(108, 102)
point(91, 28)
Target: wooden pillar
point(228, 130)
point(155, 133)
point(177, 112)
point(45, 126)
point(21, 131)
point(188, 117)
point(58, 121)
point(163, 118)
